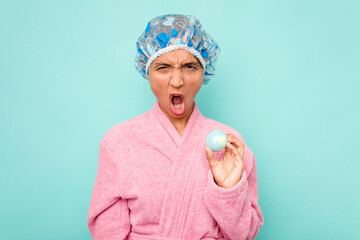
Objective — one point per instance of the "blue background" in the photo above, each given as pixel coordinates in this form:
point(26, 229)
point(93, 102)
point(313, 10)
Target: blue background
point(287, 79)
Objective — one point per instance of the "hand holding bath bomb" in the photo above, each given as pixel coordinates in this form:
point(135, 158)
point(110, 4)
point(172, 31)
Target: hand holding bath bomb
point(228, 170)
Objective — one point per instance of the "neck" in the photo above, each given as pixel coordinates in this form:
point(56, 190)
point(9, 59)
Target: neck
point(179, 123)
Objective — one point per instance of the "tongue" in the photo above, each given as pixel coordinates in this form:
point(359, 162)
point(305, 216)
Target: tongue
point(177, 100)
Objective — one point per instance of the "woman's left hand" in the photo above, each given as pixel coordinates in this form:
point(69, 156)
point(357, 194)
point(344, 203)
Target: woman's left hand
point(227, 171)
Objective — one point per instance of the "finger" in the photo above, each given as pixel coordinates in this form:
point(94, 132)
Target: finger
point(210, 157)
point(232, 149)
point(234, 140)
point(229, 147)
point(235, 151)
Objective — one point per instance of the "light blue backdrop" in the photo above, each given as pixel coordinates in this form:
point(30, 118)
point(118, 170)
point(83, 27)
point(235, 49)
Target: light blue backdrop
point(287, 80)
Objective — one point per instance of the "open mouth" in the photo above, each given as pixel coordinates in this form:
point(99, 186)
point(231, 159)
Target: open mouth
point(177, 103)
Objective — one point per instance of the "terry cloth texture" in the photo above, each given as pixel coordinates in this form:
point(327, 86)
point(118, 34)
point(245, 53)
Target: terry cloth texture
point(153, 183)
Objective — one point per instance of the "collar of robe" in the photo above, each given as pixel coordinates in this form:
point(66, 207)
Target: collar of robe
point(188, 156)
point(194, 126)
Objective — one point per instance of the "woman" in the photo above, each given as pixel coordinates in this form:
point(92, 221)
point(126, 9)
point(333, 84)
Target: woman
point(156, 177)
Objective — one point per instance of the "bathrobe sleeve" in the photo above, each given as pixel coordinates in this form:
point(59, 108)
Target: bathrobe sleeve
point(108, 216)
point(236, 209)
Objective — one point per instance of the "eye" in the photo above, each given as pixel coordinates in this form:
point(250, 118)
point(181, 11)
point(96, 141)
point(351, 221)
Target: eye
point(191, 67)
point(161, 68)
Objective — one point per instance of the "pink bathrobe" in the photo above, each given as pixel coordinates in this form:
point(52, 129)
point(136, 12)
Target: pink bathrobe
point(153, 184)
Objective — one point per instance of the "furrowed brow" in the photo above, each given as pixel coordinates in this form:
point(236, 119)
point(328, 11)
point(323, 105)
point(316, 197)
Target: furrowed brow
point(192, 63)
point(160, 63)
point(156, 64)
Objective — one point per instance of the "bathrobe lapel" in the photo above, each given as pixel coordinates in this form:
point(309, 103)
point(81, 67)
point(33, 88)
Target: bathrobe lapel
point(181, 182)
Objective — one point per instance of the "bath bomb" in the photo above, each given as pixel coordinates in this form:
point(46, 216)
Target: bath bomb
point(216, 140)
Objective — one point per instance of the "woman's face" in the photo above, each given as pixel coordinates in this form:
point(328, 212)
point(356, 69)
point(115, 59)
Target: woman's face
point(176, 73)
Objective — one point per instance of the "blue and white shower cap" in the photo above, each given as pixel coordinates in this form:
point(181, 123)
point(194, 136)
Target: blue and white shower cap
point(175, 31)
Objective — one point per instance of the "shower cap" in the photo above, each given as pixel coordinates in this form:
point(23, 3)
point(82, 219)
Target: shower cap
point(176, 31)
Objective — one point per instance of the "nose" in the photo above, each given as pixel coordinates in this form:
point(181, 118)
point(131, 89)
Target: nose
point(176, 79)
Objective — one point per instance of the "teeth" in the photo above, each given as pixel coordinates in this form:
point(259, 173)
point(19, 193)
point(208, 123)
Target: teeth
point(177, 105)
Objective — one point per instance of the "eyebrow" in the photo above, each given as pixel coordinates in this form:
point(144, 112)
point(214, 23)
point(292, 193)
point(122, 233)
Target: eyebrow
point(161, 63)
point(166, 64)
point(195, 63)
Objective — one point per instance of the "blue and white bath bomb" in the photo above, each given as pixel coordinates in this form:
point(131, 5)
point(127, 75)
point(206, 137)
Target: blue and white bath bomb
point(216, 140)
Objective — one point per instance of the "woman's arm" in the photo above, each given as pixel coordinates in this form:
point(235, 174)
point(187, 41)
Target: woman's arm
point(236, 209)
point(108, 216)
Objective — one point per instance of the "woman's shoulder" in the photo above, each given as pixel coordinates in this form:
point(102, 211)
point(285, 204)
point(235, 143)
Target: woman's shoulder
point(128, 128)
